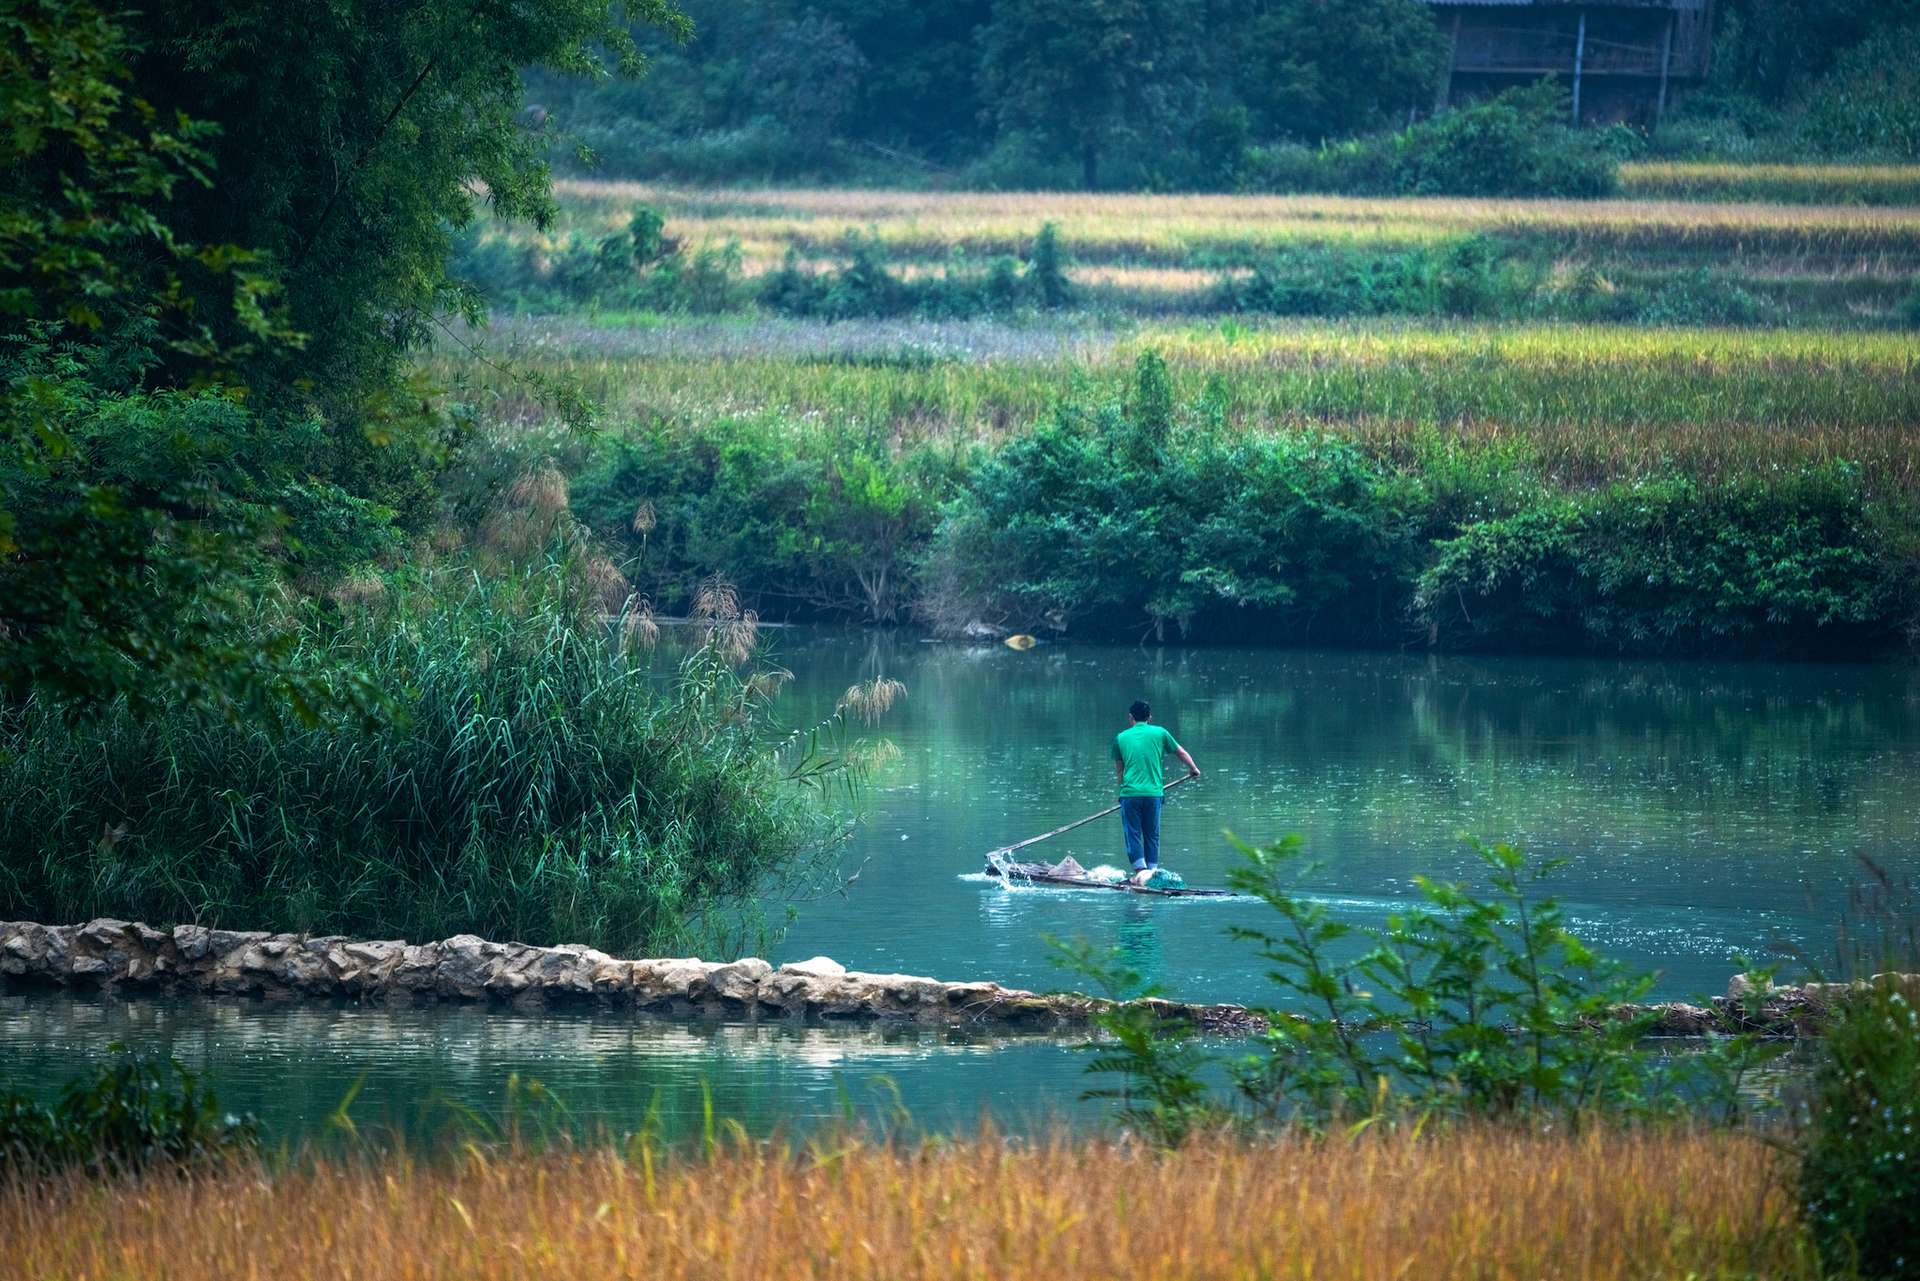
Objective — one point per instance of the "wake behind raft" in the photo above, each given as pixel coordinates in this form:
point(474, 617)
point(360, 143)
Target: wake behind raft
point(1069, 874)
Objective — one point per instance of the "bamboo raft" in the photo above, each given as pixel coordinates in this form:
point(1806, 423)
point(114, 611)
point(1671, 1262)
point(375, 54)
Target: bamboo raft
point(1046, 874)
point(1069, 874)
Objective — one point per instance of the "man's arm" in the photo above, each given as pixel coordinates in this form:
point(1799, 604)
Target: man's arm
point(1193, 771)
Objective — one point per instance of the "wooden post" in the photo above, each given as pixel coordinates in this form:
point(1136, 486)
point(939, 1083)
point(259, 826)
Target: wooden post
point(1445, 94)
point(1579, 58)
point(1666, 62)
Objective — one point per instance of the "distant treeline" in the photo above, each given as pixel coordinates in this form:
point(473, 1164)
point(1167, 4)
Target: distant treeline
point(1155, 94)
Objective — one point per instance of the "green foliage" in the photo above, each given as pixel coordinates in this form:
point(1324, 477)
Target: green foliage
point(637, 267)
point(864, 285)
point(1046, 275)
point(817, 517)
point(1318, 70)
point(1125, 519)
point(1860, 1172)
point(1495, 1008)
point(132, 1114)
point(1741, 564)
point(1073, 71)
point(1144, 509)
point(139, 545)
point(539, 780)
point(1859, 1185)
point(1476, 276)
point(1162, 1094)
point(1773, 49)
point(1472, 1005)
point(1870, 102)
point(136, 294)
point(1515, 144)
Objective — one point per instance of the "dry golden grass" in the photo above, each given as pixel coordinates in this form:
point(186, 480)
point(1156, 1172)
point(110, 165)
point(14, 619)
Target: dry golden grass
point(1104, 227)
point(1599, 1206)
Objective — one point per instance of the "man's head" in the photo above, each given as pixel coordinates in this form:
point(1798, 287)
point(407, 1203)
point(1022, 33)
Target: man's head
point(1140, 711)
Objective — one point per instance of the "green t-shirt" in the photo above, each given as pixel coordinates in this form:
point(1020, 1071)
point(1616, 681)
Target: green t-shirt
point(1139, 749)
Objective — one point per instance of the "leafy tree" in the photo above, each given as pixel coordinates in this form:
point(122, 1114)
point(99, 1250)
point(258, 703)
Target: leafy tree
point(1335, 68)
point(807, 77)
point(1773, 49)
point(1074, 71)
point(193, 205)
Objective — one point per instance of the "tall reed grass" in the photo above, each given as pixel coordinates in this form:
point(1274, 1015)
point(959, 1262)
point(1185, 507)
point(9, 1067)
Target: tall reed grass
point(1602, 1205)
point(538, 777)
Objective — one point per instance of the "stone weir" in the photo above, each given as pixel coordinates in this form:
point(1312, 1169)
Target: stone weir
point(124, 955)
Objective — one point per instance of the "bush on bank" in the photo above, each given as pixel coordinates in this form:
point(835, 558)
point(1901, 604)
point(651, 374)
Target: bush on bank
point(1151, 517)
point(533, 778)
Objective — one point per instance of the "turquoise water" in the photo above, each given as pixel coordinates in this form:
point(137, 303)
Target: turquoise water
point(1705, 811)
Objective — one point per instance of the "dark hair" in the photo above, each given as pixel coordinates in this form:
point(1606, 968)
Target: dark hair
point(1139, 711)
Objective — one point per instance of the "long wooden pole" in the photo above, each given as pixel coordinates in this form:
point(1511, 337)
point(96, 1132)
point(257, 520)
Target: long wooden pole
point(1045, 836)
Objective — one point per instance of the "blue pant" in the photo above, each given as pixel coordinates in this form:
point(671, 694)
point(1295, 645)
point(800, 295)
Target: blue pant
point(1140, 820)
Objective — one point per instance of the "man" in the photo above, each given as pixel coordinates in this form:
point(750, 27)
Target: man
point(1138, 763)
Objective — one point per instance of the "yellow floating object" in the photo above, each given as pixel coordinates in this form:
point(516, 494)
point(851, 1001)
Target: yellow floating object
point(1022, 641)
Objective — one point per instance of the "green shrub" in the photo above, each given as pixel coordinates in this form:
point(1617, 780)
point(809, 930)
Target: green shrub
point(131, 1114)
point(864, 285)
point(1515, 144)
point(1860, 1171)
point(1869, 104)
point(804, 518)
point(1473, 276)
point(536, 780)
point(157, 522)
point(1746, 564)
point(1477, 1003)
point(1909, 309)
point(1126, 518)
point(638, 266)
point(1703, 298)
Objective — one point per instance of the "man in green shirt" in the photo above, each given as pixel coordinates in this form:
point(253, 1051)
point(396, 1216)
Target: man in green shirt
point(1138, 764)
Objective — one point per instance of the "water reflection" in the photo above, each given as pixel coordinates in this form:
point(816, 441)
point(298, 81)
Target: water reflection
point(292, 1063)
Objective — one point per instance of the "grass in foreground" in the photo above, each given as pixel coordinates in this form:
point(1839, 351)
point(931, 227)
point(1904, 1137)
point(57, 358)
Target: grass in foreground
point(1599, 1205)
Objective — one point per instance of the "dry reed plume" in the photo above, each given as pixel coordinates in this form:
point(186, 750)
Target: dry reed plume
point(869, 700)
point(1596, 1206)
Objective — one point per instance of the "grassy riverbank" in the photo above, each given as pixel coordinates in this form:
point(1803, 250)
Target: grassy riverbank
point(1504, 487)
point(1599, 1205)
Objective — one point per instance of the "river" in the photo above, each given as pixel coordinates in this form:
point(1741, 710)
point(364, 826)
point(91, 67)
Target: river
point(1704, 811)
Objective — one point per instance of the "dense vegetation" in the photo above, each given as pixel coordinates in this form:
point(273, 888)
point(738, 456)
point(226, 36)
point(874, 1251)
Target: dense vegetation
point(1194, 95)
point(234, 685)
point(539, 779)
point(1175, 504)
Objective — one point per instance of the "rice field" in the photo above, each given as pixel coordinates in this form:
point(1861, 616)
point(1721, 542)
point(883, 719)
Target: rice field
point(1591, 403)
point(1171, 229)
point(1600, 1205)
point(1789, 183)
